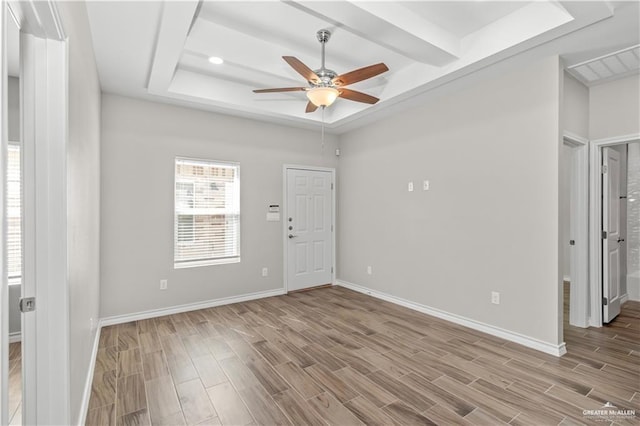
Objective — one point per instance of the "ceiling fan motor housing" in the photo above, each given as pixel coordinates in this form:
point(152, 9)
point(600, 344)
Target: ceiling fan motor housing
point(326, 77)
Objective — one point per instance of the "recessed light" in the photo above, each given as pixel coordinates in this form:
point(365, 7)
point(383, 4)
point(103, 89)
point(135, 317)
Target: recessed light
point(216, 60)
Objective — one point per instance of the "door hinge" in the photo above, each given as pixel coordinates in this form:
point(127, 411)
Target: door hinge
point(332, 269)
point(331, 185)
point(605, 169)
point(605, 301)
point(331, 228)
point(27, 304)
point(572, 242)
point(604, 235)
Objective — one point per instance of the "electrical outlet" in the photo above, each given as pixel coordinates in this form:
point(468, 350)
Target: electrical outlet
point(425, 185)
point(163, 284)
point(410, 187)
point(495, 297)
point(265, 272)
point(369, 270)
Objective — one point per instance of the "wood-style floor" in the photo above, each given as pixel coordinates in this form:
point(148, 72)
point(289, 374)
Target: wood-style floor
point(333, 356)
point(15, 383)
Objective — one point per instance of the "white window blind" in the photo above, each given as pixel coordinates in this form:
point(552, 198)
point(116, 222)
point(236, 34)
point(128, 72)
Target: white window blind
point(14, 215)
point(207, 213)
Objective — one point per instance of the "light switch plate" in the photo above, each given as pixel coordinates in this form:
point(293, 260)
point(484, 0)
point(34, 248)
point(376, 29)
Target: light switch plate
point(410, 187)
point(425, 185)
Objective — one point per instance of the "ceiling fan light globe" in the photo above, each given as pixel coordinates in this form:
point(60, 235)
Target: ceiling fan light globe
point(322, 96)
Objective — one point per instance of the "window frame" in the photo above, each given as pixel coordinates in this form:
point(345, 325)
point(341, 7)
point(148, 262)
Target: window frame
point(180, 179)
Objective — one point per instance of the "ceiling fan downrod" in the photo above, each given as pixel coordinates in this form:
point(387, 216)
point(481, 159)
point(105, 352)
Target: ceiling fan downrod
point(326, 75)
point(323, 38)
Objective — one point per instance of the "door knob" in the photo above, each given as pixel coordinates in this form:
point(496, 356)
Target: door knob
point(291, 236)
point(620, 240)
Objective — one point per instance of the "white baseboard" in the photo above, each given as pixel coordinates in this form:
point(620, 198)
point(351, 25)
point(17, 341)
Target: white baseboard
point(551, 349)
point(624, 298)
point(15, 337)
point(120, 319)
point(84, 405)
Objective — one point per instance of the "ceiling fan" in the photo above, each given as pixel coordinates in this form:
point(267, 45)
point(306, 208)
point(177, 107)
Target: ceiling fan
point(326, 85)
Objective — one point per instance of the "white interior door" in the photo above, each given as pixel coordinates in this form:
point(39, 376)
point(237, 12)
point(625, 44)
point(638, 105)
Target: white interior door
point(611, 226)
point(309, 224)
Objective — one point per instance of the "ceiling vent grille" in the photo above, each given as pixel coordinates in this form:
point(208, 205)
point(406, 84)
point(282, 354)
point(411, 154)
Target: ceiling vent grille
point(609, 67)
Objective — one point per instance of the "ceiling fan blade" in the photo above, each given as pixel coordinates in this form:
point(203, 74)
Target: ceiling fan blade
point(301, 68)
point(281, 89)
point(310, 107)
point(353, 95)
point(360, 74)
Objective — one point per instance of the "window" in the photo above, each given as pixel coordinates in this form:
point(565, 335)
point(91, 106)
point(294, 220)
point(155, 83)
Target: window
point(14, 215)
point(207, 213)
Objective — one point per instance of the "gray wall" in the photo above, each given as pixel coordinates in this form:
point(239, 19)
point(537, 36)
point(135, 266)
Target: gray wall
point(575, 107)
point(490, 221)
point(614, 108)
point(13, 128)
point(83, 195)
point(140, 141)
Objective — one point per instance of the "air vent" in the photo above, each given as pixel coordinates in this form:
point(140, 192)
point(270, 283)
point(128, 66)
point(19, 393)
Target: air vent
point(608, 67)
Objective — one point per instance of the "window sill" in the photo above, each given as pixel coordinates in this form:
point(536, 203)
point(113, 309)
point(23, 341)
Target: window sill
point(15, 281)
point(198, 263)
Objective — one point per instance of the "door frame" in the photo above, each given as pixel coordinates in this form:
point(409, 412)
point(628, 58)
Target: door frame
point(579, 199)
point(4, 282)
point(285, 231)
point(595, 220)
point(44, 122)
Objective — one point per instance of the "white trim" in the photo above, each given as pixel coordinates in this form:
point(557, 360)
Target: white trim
point(579, 232)
point(624, 298)
point(120, 319)
point(46, 373)
point(43, 92)
point(4, 288)
point(285, 231)
point(574, 138)
point(551, 349)
point(566, 278)
point(16, 336)
point(617, 140)
point(595, 218)
point(86, 395)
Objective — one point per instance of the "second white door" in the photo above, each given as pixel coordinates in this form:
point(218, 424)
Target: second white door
point(612, 239)
point(309, 228)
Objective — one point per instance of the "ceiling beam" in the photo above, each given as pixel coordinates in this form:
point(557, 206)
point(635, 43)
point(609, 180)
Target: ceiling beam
point(177, 18)
point(389, 25)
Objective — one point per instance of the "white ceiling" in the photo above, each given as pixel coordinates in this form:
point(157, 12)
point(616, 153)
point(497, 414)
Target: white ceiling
point(157, 50)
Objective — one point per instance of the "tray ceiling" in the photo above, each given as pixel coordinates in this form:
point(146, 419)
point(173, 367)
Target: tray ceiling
point(161, 50)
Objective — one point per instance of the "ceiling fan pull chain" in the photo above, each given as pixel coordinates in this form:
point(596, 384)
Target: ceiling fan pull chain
point(322, 145)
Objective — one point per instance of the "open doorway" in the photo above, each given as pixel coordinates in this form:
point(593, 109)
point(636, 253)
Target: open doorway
point(615, 226)
point(574, 231)
point(620, 222)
